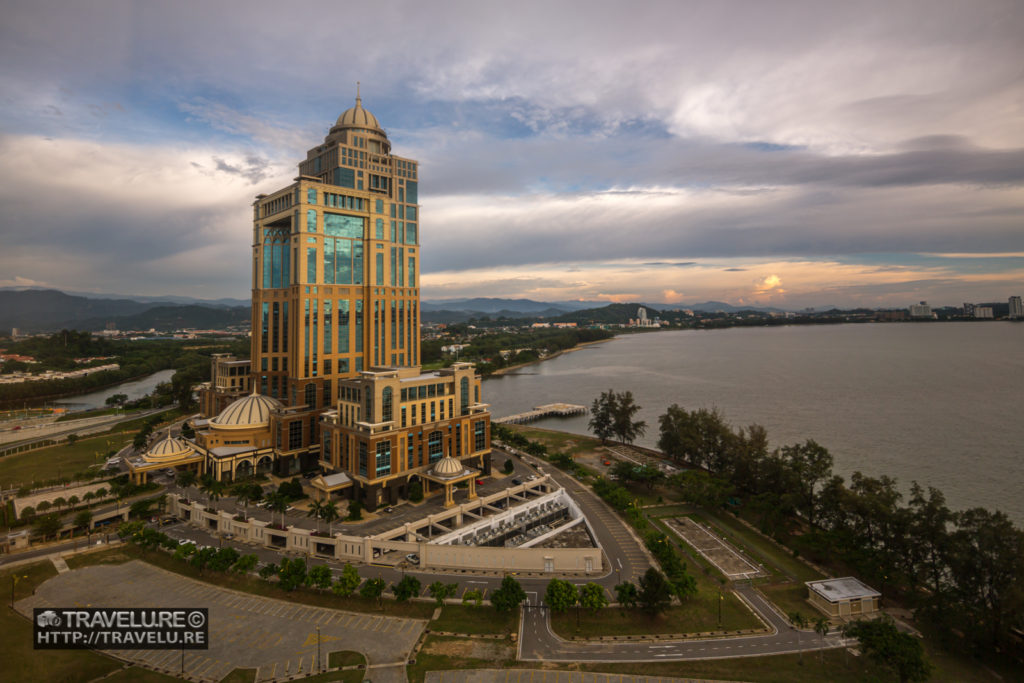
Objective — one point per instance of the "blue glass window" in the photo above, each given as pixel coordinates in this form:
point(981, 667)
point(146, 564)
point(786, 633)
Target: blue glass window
point(412, 192)
point(380, 206)
point(311, 265)
point(383, 458)
point(338, 225)
point(380, 268)
point(434, 446)
point(410, 233)
point(380, 228)
point(311, 195)
point(412, 271)
point(410, 213)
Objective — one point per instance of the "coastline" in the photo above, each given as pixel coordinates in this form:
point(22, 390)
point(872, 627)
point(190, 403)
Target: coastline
point(510, 368)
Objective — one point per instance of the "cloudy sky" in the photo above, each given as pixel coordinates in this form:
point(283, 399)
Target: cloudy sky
point(777, 153)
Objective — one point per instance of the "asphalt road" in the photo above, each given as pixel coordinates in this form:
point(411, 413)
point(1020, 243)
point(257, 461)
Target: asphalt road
point(539, 643)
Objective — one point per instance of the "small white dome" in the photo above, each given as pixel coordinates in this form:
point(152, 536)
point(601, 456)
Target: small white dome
point(448, 467)
point(170, 448)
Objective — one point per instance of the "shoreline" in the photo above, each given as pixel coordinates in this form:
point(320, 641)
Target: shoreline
point(510, 368)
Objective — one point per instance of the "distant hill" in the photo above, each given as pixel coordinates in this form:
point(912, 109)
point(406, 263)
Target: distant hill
point(227, 302)
point(612, 314)
point(170, 318)
point(48, 310)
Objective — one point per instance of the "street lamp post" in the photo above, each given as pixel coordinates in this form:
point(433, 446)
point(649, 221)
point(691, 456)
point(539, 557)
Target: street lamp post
point(318, 667)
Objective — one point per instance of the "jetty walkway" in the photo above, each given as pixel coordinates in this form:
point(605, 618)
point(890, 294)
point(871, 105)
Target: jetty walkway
point(539, 412)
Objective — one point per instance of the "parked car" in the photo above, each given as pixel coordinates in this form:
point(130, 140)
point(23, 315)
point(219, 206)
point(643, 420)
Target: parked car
point(413, 558)
point(517, 481)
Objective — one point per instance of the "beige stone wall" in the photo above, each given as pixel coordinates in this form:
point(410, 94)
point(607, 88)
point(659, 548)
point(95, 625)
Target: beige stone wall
point(359, 548)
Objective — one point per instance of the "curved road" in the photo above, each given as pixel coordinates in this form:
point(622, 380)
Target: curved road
point(537, 642)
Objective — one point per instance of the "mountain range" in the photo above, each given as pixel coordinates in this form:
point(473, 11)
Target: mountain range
point(34, 309)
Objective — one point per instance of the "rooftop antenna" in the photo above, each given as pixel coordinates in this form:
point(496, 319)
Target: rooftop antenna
point(359, 100)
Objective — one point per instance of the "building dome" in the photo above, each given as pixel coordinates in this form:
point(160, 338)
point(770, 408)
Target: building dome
point(170, 448)
point(357, 117)
point(252, 411)
point(448, 467)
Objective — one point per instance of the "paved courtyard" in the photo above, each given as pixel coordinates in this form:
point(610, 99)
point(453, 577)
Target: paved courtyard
point(275, 637)
point(714, 549)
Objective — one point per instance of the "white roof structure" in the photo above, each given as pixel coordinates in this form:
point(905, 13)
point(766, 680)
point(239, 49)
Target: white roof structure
point(846, 588)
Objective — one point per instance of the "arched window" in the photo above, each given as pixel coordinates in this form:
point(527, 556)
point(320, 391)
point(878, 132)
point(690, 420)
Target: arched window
point(385, 405)
point(464, 391)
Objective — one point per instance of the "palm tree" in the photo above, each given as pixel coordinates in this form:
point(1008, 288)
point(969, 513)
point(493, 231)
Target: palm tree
point(89, 497)
point(83, 519)
point(243, 494)
point(799, 622)
point(329, 513)
point(277, 503)
point(73, 501)
point(59, 502)
point(316, 509)
point(101, 492)
point(822, 626)
point(186, 478)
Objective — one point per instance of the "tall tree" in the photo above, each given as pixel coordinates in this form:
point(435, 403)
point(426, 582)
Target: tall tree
point(509, 595)
point(655, 594)
point(560, 595)
point(625, 427)
point(592, 596)
point(810, 464)
point(602, 416)
point(626, 594)
point(347, 583)
point(901, 652)
point(987, 563)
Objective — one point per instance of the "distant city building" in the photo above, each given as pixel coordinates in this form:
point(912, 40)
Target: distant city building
point(968, 310)
point(921, 310)
point(642, 320)
point(1016, 308)
point(983, 312)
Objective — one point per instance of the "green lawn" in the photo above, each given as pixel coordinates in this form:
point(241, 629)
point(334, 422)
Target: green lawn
point(476, 620)
point(58, 461)
point(574, 444)
point(345, 658)
point(19, 661)
point(697, 615)
point(790, 597)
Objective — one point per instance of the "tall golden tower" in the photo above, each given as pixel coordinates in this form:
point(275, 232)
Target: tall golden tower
point(335, 267)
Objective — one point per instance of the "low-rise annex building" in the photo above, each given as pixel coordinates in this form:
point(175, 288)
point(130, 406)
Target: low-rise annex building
point(843, 598)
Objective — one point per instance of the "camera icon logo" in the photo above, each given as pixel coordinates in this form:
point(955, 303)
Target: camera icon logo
point(48, 618)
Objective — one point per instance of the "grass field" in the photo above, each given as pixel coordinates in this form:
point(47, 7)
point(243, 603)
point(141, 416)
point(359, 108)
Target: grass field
point(697, 615)
point(476, 620)
point(780, 563)
point(58, 461)
point(574, 444)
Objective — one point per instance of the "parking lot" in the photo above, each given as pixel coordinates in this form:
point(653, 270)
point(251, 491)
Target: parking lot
point(275, 637)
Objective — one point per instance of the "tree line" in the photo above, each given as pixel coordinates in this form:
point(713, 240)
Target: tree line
point(962, 570)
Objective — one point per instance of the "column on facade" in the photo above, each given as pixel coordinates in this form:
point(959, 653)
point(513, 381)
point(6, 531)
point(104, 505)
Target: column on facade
point(449, 499)
point(472, 489)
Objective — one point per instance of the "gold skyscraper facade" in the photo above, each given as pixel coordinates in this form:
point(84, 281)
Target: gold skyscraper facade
point(336, 267)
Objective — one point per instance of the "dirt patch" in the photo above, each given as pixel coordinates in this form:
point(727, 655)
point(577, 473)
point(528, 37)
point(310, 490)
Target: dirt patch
point(470, 648)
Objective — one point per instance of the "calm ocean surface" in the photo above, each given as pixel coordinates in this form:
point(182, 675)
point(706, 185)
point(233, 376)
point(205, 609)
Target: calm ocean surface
point(938, 403)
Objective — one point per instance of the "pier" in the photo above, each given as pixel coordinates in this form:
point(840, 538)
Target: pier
point(540, 412)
